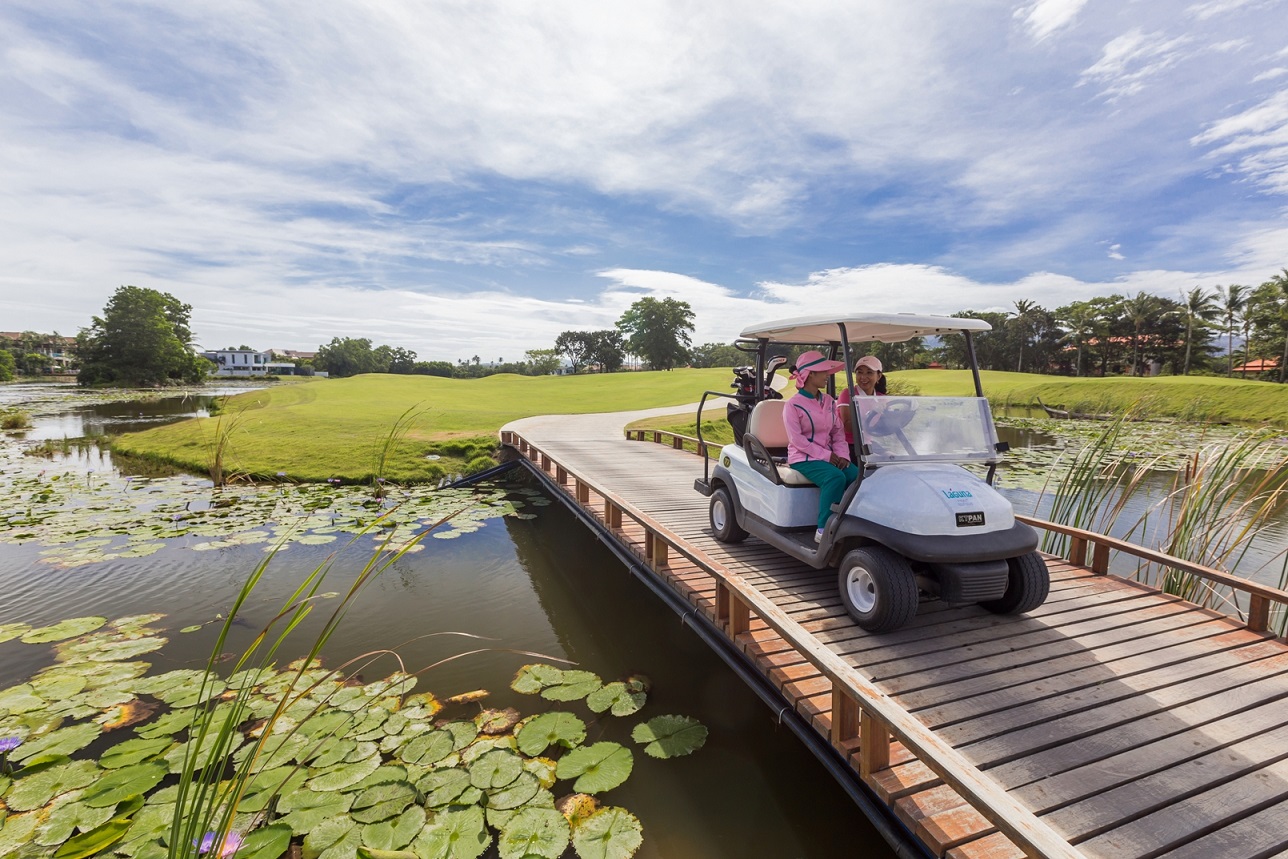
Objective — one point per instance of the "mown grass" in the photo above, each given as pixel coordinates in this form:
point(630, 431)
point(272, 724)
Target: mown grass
point(1193, 398)
point(339, 428)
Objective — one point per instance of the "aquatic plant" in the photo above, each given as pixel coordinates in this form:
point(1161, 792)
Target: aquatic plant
point(14, 419)
point(384, 451)
point(219, 445)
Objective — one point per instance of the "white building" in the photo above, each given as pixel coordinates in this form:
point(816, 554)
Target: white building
point(247, 363)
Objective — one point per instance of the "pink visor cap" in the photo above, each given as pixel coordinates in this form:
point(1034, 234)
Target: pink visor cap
point(814, 362)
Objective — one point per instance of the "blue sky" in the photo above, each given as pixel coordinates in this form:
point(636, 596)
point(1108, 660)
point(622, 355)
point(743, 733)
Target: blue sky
point(469, 177)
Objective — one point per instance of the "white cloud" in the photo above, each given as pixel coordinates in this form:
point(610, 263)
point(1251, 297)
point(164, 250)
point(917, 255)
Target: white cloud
point(1129, 61)
point(1044, 17)
point(1256, 140)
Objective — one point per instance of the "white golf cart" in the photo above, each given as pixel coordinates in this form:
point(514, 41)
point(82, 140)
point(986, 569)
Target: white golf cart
point(916, 523)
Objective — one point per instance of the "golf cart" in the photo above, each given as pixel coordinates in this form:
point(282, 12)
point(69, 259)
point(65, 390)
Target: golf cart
point(915, 523)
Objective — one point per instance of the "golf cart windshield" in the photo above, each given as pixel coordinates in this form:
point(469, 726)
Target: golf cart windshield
point(927, 429)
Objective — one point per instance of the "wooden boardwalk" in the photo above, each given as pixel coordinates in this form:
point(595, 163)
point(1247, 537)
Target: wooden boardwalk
point(1114, 721)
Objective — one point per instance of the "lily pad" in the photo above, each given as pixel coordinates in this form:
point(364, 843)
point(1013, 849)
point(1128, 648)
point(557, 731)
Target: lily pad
point(617, 698)
point(95, 841)
point(610, 833)
point(308, 809)
point(497, 721)
point(514, 794)
point(535, 832)
point(574, 686)
point(670, 736)
point(495, 769)
point(63, 630)
point(66, 817)
point(395, 833)
point(382, 802)
point(39, 784)
point(123, 783)
point(10, 631)
point(556, 727)
point(596, 768)
point(344, 775)
point(428, 748)
point(332, 839)
point(442, 787)
point(531, 679)
point(268, 842)
point(460, 834)
point(64, 741)
point(133, 752)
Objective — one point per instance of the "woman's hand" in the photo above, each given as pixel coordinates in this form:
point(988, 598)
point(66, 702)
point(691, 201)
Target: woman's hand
point(839, 461)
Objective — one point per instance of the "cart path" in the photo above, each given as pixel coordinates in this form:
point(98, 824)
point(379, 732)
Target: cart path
point(1113, 721)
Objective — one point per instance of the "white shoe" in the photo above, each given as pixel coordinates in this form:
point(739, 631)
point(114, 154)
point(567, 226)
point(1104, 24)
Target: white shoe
point(818, 536)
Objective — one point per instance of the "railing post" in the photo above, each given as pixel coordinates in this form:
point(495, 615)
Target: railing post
point(845, 715)
point(1100, 558)
point(1258, 613)
point(545, 463)
point(1078, 551)
point(612, 514)
point(874, 745)
point(660, 554)
point(657, 437)
point(739, 616)
point(582, 490)
point(561, 475)
point(722, 605)
point(677, 442)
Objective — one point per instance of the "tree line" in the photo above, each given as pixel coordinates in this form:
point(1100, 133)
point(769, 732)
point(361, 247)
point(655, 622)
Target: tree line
point(143, 338)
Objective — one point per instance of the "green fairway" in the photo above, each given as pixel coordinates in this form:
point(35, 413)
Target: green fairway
point(337, 428)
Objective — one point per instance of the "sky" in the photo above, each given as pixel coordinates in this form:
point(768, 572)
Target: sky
point(470, 178)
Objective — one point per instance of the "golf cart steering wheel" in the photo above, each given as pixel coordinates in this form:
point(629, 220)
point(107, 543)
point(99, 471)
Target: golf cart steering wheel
point(891, 418)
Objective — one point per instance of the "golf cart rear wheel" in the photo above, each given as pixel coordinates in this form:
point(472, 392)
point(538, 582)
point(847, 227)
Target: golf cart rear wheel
point(1028, 583)
point(878, 588)
point(724, 519)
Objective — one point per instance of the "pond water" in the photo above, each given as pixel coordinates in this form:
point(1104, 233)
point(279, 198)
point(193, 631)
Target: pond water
point(538, 582)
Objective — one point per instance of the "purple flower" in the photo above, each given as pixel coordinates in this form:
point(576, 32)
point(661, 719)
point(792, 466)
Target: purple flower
point(8, 744)
point(281, 474)
point(207, 844)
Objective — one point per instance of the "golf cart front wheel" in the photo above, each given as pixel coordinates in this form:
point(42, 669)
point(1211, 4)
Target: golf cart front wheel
point(878, 588)
point(724, 519)
point(1027, 584)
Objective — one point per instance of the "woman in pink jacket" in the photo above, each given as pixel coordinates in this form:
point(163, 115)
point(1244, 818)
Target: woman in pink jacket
point(815, 439)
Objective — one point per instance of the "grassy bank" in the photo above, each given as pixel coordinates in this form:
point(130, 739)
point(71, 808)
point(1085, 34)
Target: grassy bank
point(341, 428)
point(1191, 398)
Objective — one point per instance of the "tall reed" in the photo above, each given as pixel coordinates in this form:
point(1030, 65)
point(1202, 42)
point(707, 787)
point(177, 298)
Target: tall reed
point(219, 446)
point(389, 444)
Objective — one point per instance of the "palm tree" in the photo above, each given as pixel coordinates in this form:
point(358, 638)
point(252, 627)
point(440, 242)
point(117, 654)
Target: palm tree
point(1081, 319)
point(1139, 311)
point(1198, 307)
point(1281, 281)
point(1024, 310)
point(1234, 300)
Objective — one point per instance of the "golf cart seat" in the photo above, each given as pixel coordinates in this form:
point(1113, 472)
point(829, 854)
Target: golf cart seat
point(766, 443)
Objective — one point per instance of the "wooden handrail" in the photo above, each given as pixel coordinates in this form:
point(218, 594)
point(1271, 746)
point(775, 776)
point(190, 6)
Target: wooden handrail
point(1020, 824)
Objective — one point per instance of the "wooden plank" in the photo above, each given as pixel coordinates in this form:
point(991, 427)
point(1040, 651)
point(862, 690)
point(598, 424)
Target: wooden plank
point(995, 846)
point(1260, 834)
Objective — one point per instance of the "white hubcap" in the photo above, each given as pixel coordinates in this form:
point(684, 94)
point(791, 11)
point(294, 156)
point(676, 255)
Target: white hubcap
point(719, 515)
point(861, 589)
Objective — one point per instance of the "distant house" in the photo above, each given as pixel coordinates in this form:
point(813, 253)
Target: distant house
point(246, 363)
point(292, 354)
point(1257, 365)
point(59, 350)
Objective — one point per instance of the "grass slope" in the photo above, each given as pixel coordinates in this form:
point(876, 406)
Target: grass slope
point(336, 427)
point(1196, 398)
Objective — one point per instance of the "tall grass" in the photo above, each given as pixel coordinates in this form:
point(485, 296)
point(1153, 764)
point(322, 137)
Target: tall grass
point(1228, 494)
point(219, 445)
point(384, 451)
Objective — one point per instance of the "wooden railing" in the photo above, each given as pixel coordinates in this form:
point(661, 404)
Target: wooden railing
point(1260, 597)
point(860, 710)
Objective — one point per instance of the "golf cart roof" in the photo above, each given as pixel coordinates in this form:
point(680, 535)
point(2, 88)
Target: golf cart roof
point(860, 327)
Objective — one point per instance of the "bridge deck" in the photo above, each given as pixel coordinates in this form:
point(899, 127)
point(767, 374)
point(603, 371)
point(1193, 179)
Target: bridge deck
point(1114, 721)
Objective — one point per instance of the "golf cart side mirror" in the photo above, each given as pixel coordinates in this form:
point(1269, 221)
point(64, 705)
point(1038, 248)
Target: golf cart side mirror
point(1002, 446)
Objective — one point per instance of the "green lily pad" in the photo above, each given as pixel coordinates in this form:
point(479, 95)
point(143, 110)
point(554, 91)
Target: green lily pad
point(496, 721)
point(20, 699)
point(531, 679)
point(574, 686)
point(460, 834)
point(534, 832)
point(670, 736)
point(428, 748)
point(307, 809)
point(382, 802)
point(133, 751)
point(395, 833)
point(495, 769)
point(556, 727)
point(264, 786)
point(610, 833)
point(514, 794)
point(442, 787)
point(95, 841)
point(120, 784)
point(17, 832)
point(463, 733)
point(64, 741)
point(333, 839)
point(617, 698)
point(68, 815)
point(596, 768)
point(344, 775)
point(37, 785)
point(268, 842)
point(10, 631)
point(63, 630)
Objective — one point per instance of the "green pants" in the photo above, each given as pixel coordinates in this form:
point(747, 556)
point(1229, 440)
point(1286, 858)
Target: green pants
point(831, 482)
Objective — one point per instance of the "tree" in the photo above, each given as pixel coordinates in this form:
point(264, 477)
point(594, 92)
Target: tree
point(542, 362)
point(1080, 320)
point(719, 355)
point(658, 331)
point(400, 360)
point(1233, 300)
point(1021, 320)
point(1198, 308)
point(1279, 282)
point(1139, 312)
point(606, 350)
point(348, 356)
point(576, 346)
point(141, 339)
point(7, 367)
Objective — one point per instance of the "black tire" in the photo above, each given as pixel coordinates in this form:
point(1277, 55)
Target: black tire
point(878, 588)
point(1028, 583)
point(724, 517)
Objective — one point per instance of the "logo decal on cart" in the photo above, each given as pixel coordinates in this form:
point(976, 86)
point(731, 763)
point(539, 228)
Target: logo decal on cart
point(956, 493)
point(967, 520)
